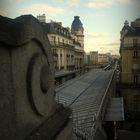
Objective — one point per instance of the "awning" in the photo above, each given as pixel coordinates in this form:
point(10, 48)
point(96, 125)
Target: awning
point(115, 110)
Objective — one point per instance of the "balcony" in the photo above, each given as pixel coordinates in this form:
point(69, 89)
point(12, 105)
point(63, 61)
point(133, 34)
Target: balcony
point(136, 57)
point(61, 44)
point(77, 43)
point(135, 46)
point(136, 71)
point(129, 85)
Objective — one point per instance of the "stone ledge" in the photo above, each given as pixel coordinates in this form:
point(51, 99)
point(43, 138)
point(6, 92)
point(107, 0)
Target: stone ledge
point(18, 31)
point(52, 126)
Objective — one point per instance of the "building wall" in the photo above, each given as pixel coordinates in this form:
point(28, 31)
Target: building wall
point(67, 47)
point(93, 58)
point(67, 55)
point(130, 70)
point(130, 60)
point(41, 18)
point(86, 59)
point(126, 66)
point(103, 58)
point(68, 52)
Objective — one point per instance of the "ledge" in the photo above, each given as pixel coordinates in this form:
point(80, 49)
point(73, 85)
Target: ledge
point(52, 126)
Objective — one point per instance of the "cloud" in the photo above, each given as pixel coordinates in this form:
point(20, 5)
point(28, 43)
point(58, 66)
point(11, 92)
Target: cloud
point(15, 1)
point(102, 42)
point(105, 3)
point(106, 49)
point(100, 15)
point(96, 35)
point(111, 44)
point(43, 8)
point(18, 0)
point(73, 2)
point(7, 7)
point(70, 2)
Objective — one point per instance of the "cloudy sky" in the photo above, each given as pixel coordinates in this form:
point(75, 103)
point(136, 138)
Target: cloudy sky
point(102, 19)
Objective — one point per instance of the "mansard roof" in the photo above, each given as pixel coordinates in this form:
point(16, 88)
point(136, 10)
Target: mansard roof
point(134, 32)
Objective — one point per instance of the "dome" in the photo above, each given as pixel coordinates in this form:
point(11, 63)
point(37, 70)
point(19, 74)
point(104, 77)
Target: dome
point(126, 26)
point(76, 24)
point(126, 23)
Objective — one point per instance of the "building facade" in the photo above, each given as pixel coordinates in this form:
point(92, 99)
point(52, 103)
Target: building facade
point(104, 58)
point(94, 57)
point(42, 18)
point(67, 44)
point(130, 67)
point(87, 59)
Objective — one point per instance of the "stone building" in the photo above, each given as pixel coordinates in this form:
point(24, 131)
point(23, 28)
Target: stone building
point(42, 18)
point(87, 59)
point(67, 45)
point(103, 58)
point(130, 67)
point(77, 32)
point(94, 57)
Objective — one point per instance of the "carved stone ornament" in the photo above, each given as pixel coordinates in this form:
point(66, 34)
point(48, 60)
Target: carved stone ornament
point(26, 77)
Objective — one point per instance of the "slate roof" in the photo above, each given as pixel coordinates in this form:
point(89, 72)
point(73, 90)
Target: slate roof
point(134, 32)
point(76, 24)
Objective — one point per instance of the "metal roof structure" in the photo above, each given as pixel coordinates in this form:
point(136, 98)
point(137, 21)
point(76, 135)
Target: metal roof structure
point(63, 73)
point(115, 111)
point(84, 95)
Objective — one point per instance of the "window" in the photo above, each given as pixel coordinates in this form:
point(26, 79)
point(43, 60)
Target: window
point(135, 54)
point(54, 39)
point(135, 42)
point(135, 79)
point(63, 41)
point(135, 105)
point(135, 102)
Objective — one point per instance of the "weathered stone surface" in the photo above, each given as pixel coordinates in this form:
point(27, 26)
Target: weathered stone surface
point(26, 77)
point(56, 127)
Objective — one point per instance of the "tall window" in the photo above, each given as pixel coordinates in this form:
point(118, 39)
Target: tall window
point(135, 42)
point(136, 102)
point(54, 39)
point(135, 54)
point(135, 79)
point(63, 41)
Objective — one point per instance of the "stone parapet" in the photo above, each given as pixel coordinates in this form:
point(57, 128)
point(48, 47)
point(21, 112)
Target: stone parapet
point(27, 78)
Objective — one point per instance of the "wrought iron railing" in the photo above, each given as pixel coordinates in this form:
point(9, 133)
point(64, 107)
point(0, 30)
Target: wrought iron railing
point(130, 85)
point(136, 71)
point(56, 43)
point(131, 45)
